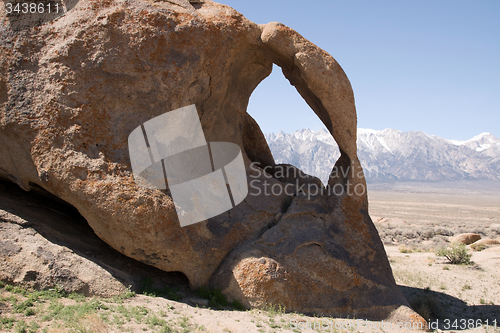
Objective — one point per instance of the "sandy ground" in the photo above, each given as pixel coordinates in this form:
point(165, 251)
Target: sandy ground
point(461, 293)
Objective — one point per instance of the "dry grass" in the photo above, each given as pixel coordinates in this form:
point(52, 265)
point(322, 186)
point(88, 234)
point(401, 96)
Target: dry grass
point(91, 323)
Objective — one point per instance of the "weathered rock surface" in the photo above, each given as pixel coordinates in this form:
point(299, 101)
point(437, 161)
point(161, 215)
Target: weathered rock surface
point(467, 238)
point(73, 89)
point(486, 242)
point(44, 244)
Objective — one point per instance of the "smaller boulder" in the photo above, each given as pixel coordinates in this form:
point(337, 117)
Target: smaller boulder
point(485, 243)
point(489, 242)
point(466, 239)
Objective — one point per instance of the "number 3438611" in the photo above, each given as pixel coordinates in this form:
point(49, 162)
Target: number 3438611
point(32, 8)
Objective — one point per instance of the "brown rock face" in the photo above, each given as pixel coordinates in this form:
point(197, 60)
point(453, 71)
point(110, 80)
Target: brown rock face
point(467, 238)
point(488, 242)
point(72, 90)
point(46, 243)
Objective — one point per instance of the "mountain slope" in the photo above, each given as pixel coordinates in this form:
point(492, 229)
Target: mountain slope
point(392, 155)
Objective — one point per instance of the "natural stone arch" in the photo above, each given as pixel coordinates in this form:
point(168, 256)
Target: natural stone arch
point(85, 81)
point(317, 77)
point(322, 83)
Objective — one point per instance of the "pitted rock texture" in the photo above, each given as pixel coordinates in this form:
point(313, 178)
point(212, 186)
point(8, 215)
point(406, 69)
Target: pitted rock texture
point(73, 89)
point(45, 243)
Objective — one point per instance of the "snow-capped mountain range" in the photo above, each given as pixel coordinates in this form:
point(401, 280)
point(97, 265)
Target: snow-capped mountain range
point(392, 155)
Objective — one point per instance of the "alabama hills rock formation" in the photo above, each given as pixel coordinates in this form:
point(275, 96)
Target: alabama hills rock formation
point(72, 89)
point(45, 243)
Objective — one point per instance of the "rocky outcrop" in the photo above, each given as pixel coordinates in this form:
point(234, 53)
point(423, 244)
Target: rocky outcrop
point(488, 241)
point(46, 244)
point(27, 258)
point(73, 89)
point(467, 238)
point(484, 244)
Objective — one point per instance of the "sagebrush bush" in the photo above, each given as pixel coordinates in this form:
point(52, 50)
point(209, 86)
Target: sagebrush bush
point(478, 230)
point(410, 234)
point(494, 230)
point(427, 233)
point(387, 240)
point(397, 231)
point(444, 232)
point(455, 254)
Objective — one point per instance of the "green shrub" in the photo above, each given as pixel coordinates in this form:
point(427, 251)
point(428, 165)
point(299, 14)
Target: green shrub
point(215, 297)
point(455, 254)
point(21, 307)
point(19, 290)
point(238, 306)
point(153, 321)
point(21, 327)
point(273, 310)
point(6, 322)
point(478, 247)
point(77, 297)
point(404, 249)
point(147, 288)
point(29, 312)
point(50, 294)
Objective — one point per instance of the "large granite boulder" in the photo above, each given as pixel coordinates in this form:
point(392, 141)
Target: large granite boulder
point(467, 238)
point(73, 89)
point(45, 243)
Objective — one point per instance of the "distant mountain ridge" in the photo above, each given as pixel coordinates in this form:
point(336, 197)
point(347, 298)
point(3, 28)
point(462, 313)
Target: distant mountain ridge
point(392, 155)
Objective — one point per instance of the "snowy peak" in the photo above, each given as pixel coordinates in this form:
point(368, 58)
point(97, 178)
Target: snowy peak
point(480, 143)
point(484, 138)
point(483, 142)
point(390, 154)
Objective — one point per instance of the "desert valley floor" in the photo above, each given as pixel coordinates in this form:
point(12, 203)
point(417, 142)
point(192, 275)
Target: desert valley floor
point(414, 220)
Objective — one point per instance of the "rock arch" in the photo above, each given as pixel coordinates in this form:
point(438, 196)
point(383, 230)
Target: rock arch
point(76, 87)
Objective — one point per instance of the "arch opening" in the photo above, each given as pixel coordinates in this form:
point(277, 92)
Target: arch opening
point(288, 122)
point(290, 112)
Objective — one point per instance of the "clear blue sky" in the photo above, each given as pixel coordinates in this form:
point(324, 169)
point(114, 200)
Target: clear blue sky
point(414, 65)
